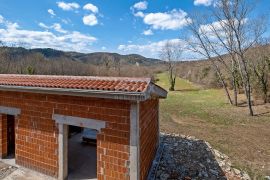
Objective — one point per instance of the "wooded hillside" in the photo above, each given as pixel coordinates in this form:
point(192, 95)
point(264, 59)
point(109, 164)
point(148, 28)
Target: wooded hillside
point(49, 61)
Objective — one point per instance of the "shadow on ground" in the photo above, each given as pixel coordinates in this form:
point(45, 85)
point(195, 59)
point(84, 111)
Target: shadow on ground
point(187, 90)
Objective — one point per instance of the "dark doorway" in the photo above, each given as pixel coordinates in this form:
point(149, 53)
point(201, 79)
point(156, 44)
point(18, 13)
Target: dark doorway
point(73, 130)
point(82, 153)
point(10, 136)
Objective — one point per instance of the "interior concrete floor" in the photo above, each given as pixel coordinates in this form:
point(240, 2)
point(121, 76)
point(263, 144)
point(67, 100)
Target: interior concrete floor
point(82, 159)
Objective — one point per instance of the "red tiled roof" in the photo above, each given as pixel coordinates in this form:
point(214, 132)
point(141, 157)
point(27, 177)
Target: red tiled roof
point(77, 82)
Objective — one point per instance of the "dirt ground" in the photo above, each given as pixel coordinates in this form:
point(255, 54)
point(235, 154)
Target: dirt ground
point(246, 144)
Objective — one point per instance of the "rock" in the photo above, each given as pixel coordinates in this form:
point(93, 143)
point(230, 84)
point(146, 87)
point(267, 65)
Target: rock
point(245, 176)
point(201, 165)
point(204, 174)
point(164, 176)
point(237, 172)
point(214, 172)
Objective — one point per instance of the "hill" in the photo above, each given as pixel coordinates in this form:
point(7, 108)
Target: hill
point(96, 58)
point(19, 60)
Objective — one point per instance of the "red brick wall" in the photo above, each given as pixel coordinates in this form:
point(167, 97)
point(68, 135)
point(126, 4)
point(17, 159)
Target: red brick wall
point(148, 135)
point(3, 135)
point(37, 133)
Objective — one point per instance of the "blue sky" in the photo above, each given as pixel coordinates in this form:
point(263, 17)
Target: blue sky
point(122, 26)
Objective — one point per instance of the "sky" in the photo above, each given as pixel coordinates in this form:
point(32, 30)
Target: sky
point(121, 26)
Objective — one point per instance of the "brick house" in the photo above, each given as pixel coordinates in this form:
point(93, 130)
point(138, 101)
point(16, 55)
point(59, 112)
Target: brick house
point(40, 108)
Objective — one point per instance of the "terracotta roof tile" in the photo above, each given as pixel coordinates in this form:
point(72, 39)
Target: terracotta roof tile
point(77, 82)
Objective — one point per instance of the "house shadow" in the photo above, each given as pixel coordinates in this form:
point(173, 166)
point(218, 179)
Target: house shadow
point(260, 108)
point(262, 114)
point(185, 158)
point(187, 90)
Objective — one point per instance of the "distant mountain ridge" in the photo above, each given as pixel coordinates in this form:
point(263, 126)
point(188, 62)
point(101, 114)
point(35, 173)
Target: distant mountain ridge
point(95, 58)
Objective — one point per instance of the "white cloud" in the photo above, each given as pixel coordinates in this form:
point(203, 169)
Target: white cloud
point(139, 14)
point(70, 41)
point(215, 30)
point(11, 25)
point(203, 2)
point(148, 32)
point(56, 26)
point(43, 25)
point(142, 5)
point(91, 7)
point(51, 12)
point(208, 28)
point(66, 21)
point(68, 6)
point(175, 19)
point(103, 48)
point(1, 19)
point(151, 49)
point(90, 20)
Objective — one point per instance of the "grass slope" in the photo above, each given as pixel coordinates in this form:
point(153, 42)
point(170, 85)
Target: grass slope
point(205, 113)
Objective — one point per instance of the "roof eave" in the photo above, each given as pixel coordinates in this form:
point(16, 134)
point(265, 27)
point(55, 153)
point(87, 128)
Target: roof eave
point(120, 95)
point(155, 90)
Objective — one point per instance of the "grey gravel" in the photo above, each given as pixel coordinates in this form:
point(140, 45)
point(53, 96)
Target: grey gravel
point(185, 157)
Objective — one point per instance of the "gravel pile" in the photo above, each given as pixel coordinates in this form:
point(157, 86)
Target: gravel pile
point(184, 157)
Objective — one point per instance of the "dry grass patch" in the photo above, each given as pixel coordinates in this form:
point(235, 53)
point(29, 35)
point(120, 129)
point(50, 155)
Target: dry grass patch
point(206, 114)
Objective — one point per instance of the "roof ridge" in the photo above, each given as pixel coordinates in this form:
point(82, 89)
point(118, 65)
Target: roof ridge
point(114, 78)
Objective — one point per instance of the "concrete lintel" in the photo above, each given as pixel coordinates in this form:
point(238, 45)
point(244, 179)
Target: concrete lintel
point(134, 141)
point(10, 110)
point(78, 121)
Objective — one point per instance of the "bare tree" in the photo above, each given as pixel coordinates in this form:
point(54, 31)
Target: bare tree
point(260, 65)
point(117, 66)
point(261, 71)
point(200, 43)
point(107, 62)
point(245, 33)
point(171, 52)
point(232, 31)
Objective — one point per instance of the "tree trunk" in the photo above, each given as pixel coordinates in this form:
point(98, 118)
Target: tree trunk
point(235, 83)
point(248, 94)
point(265, 92)
point(248, 90)
point(246, 83)
point(223, 84)
point(171, 79)
point(226, 90)
point(235, 92)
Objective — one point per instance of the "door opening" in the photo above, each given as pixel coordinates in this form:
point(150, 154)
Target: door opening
point(82, 153)
point(10, 136)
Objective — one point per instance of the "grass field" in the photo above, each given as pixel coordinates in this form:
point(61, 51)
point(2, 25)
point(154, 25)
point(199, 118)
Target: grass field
point(205, 114)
